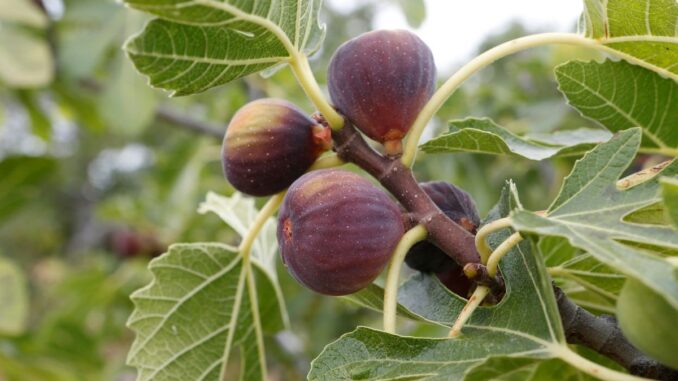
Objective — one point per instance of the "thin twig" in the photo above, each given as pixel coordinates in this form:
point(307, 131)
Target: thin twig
point(603, 335)
point(167, 115)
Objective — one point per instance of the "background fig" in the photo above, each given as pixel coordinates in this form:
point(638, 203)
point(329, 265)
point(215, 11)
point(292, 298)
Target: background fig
point(269, 144)
point(457, 205)
point(380, 81)
point(337, 231)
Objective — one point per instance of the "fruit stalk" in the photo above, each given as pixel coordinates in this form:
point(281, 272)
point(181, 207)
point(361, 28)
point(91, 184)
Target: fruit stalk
point(453, 239)
point(414, 235)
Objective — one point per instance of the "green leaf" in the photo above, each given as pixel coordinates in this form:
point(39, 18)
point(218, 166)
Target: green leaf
point(619, 96)
point(525, 324)
point(88, 31)
point(645, 32)
point(197, 45)
point(13, 299)
point(654, 214)
point(649, 322)
point(23, 181)
point(199, 308)
point(482, 135)
point(194, 314)
point(372, 297)
point(565, 262)
point(524, 369)
point(239, 213)
point(414, 11)
point(128, 104)
point(590, 210)
point(26, 59)
point(41, 125)
point(22, 12)
point(670, 197)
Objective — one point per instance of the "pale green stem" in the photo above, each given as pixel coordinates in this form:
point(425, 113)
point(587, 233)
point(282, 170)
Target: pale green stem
point(473, 302)
point(245, 249)
point(414, 235)
point(479, 62)
point(264, 214)
point(254, 306)
point(481, 236)
point(665, 151)
point(500, 251)
point(591, 368)
point(328, 161)
point(302, 70)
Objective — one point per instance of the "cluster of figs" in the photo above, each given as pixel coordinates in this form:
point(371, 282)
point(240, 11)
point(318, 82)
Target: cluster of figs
point(337, 230)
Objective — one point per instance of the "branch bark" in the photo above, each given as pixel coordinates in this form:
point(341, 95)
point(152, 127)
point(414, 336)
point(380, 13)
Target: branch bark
point(603, 335)
point(167, 115)
point(453, 239)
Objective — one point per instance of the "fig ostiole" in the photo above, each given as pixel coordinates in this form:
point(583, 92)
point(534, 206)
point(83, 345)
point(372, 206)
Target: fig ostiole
point(380, 81)
point(337, 231)
point(270, 143)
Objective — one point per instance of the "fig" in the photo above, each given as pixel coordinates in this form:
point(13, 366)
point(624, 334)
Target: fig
point(269, 144)
point(458, 206)
point(337, 231)
point(380, 81)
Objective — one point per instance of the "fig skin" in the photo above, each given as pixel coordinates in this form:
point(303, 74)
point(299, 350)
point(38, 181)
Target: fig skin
point(337, 231)
point(269, 144)
point(380, 81)
point(458, 206)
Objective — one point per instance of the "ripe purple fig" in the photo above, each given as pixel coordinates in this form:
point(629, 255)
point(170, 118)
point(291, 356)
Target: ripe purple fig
point(337, 231)
point(380, 81)
point(457, 205)
point(269, 144)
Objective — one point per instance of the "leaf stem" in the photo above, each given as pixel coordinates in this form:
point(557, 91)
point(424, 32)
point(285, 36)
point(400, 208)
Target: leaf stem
point(302, 70)
point(414, 235)
point(254, 307)
point(589, 367)
point(245, 249)
point(500, 251)
point(264, 214)
point(473, 302)
point(665, 151)
point(481, 244)
point(479, 62)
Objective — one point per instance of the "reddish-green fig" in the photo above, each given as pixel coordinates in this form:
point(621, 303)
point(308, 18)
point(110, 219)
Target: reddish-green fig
point(337, 231)
point(269, 144)
point(457, 205)
point(380, 81)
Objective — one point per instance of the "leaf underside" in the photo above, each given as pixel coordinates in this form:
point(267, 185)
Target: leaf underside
point(589, 212)
point(195, 45)
point(525, 326)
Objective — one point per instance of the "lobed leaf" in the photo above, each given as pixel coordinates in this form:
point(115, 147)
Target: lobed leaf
point(644, 32)
point(589, 212)
point(13, 299)
point(196, 312)
point(199, 309)
point(482, 135)
point(511, 368)
point(620, 96)
point(26, 59)
point(199, 44)
point(670, 198)
point(567, 263)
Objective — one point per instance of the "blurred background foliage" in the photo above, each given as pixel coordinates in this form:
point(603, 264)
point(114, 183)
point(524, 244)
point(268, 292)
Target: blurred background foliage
point(99, 173)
